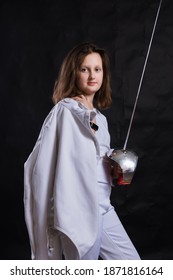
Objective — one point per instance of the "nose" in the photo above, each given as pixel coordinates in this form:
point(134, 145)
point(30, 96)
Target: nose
point(92, 75)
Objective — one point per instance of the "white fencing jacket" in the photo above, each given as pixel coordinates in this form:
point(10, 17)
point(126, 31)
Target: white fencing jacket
point(60, 182)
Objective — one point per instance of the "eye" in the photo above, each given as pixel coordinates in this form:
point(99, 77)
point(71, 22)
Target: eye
point(84, 69)
point(98, 69)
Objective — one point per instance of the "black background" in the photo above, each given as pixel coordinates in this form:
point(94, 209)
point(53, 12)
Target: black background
point(34, 38)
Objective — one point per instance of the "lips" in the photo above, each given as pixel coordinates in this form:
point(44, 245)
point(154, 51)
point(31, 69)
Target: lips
point(91, 83)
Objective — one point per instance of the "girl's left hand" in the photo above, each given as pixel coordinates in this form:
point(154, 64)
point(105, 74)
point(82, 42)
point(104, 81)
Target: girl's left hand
point(116, 171)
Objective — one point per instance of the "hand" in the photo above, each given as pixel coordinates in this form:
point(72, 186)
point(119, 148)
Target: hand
point(86, 101)
point(116, 170)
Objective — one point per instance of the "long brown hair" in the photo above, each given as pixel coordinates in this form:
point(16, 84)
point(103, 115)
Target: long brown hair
point(65, 85)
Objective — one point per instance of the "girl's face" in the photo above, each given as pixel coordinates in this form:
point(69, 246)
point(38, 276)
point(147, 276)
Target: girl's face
point(90, 74)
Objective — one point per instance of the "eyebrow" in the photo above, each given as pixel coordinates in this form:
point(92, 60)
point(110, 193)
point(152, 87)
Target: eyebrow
point(89, 66)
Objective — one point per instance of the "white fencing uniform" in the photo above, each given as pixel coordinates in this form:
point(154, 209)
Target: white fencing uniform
point(112, 242)
point(67, 187)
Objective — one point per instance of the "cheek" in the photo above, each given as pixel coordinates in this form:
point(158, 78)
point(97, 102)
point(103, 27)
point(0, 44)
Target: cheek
point(78, 84)
point(101, 79)
point(81, 80)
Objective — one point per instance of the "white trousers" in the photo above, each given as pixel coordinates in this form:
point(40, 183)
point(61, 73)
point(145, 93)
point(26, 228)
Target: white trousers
point(112, 242)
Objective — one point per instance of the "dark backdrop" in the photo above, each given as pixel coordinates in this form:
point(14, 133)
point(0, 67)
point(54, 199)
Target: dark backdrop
point(35, 36)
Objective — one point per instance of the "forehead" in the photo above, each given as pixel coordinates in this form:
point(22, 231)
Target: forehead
point(92, 59)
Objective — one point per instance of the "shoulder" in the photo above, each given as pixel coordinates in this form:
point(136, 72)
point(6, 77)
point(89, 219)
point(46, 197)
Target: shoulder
point(72, 105)
point(64, 110)
point(60, 108)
